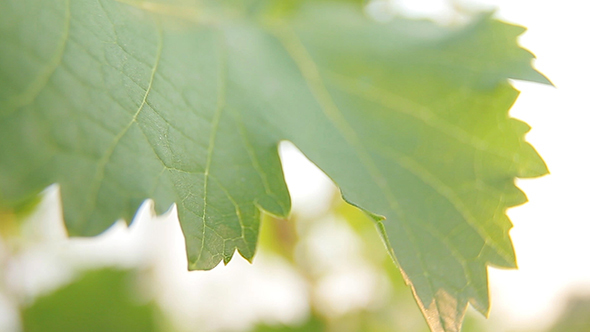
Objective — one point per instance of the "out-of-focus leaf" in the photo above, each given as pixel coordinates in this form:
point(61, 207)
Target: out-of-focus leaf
point(100, 301)
point(313, 324)
point(279, 236)
point(575, 317)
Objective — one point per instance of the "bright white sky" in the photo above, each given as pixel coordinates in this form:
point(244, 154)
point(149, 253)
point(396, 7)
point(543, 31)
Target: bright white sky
point(551, 233)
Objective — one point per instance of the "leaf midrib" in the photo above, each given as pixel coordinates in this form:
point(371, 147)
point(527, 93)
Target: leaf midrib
point(310, 73)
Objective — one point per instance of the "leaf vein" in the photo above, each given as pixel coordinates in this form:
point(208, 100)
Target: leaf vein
point(310, 72)
point(221, 87)
point(34, 89)
point(442, 189)
point(400, 104)
point(96, 183)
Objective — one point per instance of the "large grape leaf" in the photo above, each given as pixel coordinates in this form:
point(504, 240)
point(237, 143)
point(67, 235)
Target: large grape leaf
point(186, 102)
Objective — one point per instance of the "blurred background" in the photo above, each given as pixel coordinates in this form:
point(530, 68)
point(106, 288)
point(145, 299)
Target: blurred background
point(325, 268)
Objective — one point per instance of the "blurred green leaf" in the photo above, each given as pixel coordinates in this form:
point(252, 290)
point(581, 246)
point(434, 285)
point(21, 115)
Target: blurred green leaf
point(119, 101)
point(313, 324)
point(99, 301)
point(575, 317)
point(279, 236)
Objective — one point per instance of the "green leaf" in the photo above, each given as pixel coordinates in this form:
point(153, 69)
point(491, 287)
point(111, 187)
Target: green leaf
point(575, 316)
point(186, 103)
point(313, 324)
point(99, 301)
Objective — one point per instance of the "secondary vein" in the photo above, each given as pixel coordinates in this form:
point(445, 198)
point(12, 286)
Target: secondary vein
point(95, 185)
point(34, 89)
point(311, 74)
point(222, 77)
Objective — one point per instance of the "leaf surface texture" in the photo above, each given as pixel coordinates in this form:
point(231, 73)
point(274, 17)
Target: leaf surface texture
point(186, 103)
